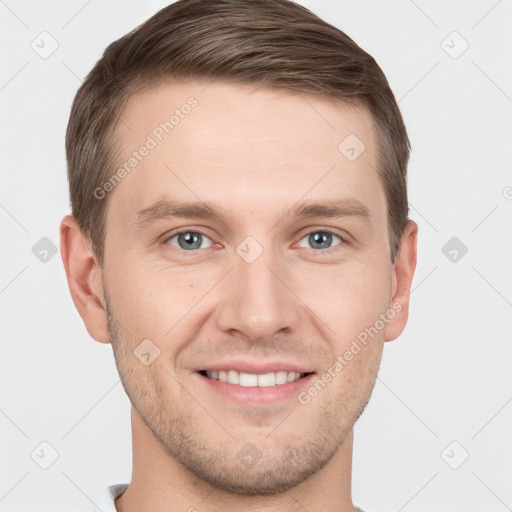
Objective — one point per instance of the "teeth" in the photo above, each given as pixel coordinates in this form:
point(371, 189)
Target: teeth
point(281, 377)
point(253, 380)
point(292, 376)
point(267, 379)
point(246, 379)
point(233, 377)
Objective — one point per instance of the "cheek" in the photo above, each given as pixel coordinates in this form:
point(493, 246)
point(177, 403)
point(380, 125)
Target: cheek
point(349, 298)
point(157, 300)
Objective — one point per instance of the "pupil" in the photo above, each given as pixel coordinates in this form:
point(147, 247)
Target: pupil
point(190, 239)
point(322, 238)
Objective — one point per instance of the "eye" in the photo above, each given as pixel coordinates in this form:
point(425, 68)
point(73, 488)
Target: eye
point(321, 239)
point(188, 240)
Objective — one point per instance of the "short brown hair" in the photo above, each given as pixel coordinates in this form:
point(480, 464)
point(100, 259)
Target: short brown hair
point(273, 43)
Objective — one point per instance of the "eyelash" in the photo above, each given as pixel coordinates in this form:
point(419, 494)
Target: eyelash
point(197, 231)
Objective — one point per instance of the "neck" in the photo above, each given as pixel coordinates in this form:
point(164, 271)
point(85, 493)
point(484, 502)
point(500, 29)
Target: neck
point(160, 483)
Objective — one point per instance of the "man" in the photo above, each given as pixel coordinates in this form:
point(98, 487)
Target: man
point(240, 235)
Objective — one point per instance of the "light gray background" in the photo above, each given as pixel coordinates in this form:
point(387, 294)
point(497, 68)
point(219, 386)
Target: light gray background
point(446, 379)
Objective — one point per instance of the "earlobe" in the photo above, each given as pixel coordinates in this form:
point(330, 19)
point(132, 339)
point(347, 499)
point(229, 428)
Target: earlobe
point(403, 273)
point(84, 278)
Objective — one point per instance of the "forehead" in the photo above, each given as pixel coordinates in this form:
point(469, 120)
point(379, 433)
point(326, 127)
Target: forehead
point(247, 147)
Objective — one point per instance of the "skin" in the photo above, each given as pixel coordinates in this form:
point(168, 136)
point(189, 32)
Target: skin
point(256, 152)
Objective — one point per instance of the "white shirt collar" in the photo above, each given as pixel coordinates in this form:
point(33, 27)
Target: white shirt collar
point(106, 503)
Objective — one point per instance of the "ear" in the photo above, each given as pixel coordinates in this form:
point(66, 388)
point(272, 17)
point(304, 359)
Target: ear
point(84, 278)
point(403, 272)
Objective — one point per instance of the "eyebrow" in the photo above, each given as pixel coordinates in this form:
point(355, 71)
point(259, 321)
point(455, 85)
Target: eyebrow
point(165, 209)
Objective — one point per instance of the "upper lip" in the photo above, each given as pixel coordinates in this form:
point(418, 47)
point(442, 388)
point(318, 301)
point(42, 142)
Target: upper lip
point(256, 367)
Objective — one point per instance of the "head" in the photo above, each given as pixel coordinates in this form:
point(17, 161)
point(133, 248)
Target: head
point(279, 128)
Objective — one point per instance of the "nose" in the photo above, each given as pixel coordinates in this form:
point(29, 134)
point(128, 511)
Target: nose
point(258, 299)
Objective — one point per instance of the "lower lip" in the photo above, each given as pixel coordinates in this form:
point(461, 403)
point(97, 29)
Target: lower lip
point(258, 395)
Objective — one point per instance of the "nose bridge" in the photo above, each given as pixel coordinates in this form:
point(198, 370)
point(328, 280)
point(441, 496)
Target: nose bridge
point(257, 302)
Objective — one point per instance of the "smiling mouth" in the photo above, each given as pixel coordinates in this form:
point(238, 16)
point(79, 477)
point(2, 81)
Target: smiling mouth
point(254, 380)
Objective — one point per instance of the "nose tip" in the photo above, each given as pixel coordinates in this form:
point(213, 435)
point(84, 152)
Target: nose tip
point(256, 301)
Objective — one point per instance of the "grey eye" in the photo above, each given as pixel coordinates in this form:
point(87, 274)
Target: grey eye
point(320, 239)
point(188, 240)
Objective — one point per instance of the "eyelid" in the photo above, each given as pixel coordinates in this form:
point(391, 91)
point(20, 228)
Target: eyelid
point(331, 231)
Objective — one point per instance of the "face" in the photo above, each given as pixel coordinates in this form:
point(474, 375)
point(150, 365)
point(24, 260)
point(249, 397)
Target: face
point(217, 259)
